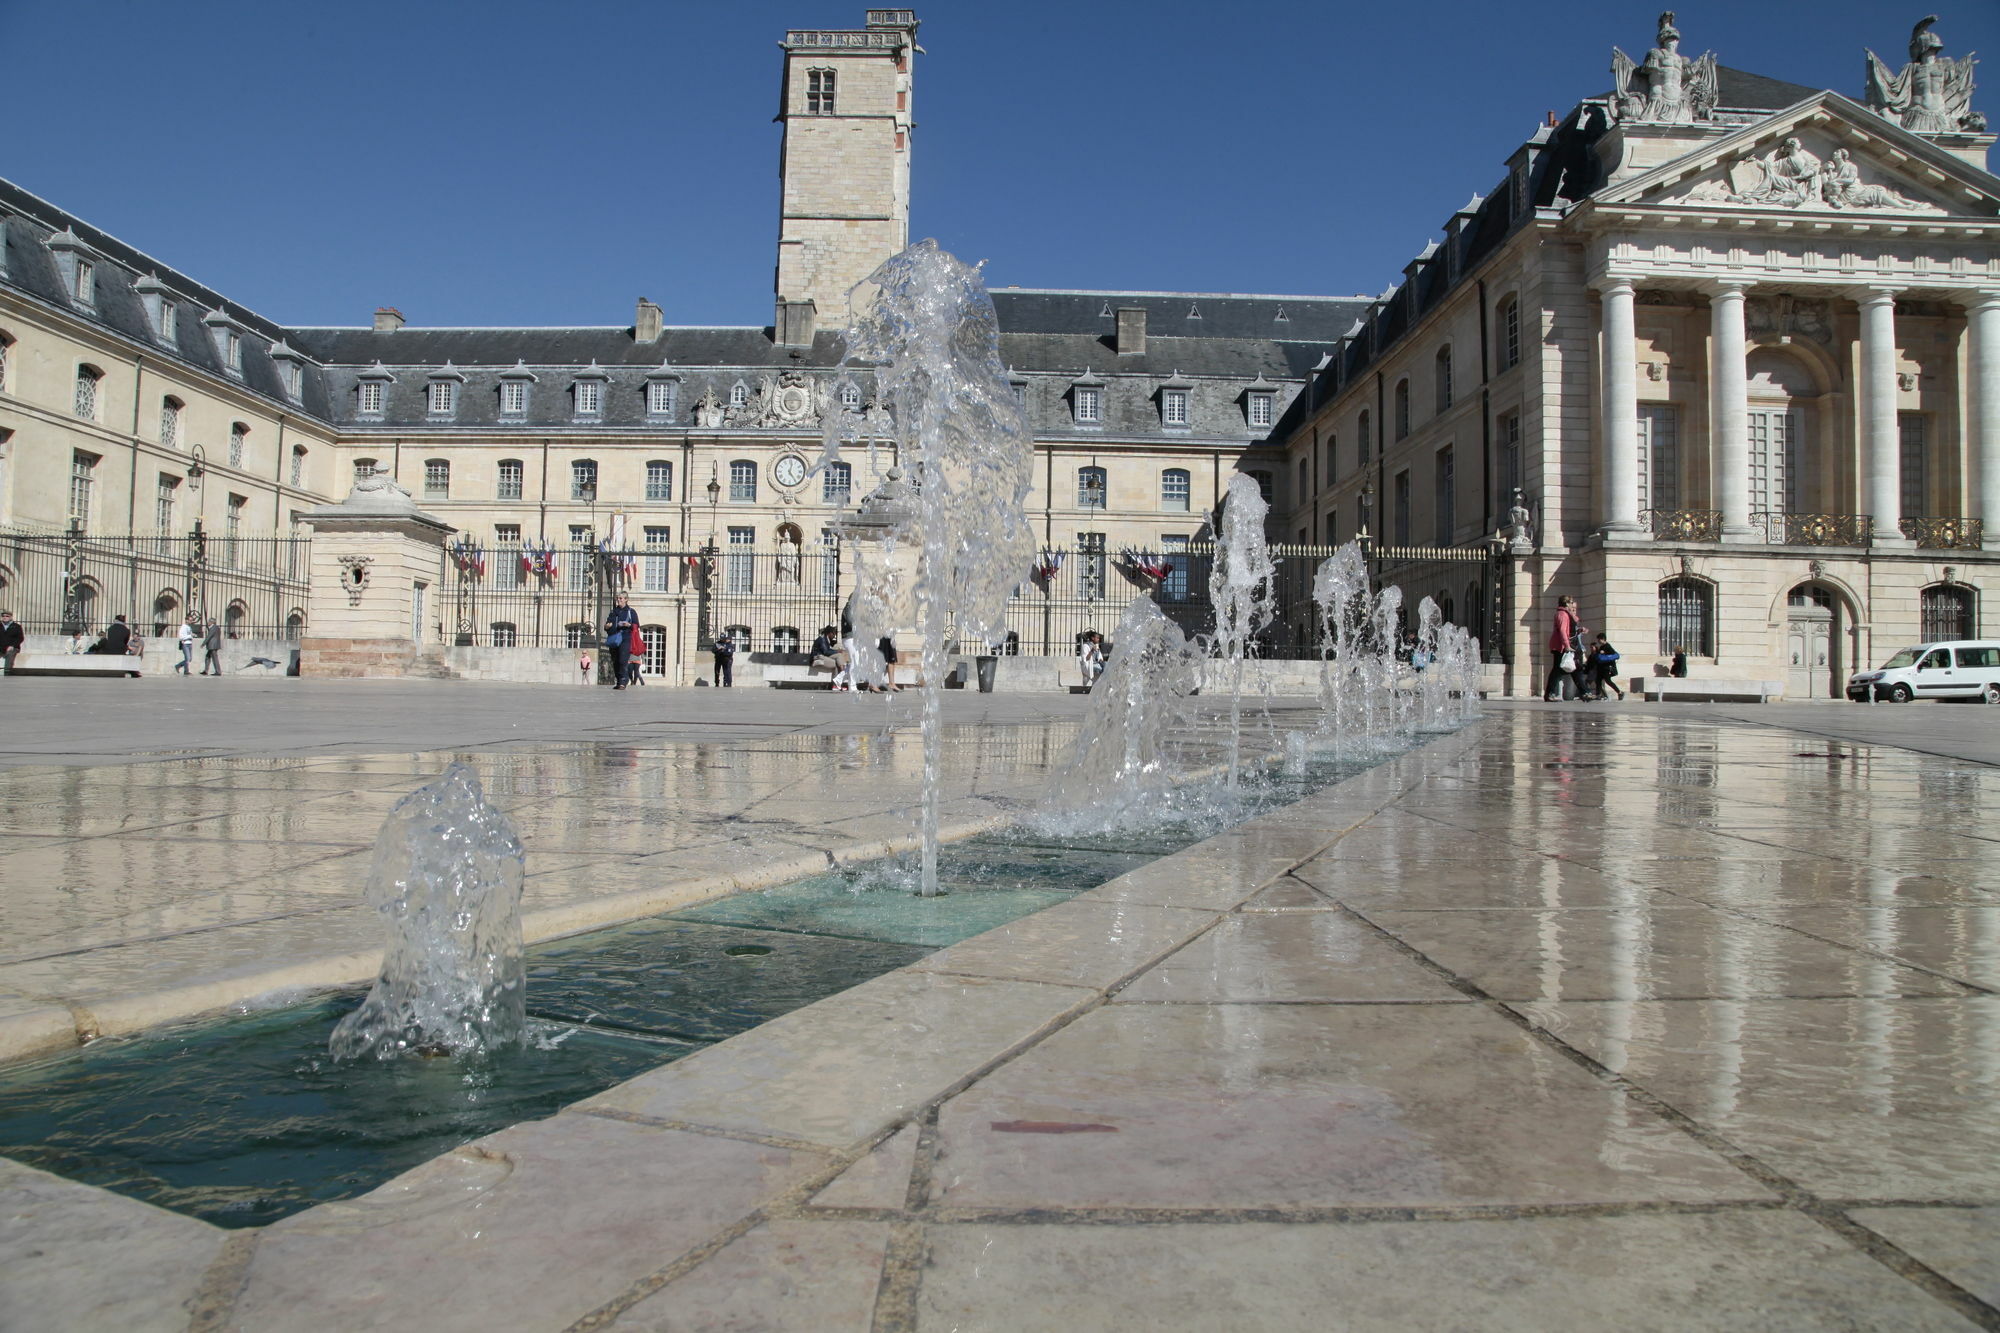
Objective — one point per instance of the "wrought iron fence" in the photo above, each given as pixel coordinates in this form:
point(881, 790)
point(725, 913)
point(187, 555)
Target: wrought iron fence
point(1684, 525)
point(771, 601)
point(1945, 534)
point(1814, 529)
point(75, 582)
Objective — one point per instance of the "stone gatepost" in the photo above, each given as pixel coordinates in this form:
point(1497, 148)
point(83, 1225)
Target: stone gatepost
point(377, 582)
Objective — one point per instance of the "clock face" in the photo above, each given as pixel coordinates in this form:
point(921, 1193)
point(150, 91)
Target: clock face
point(789, 470)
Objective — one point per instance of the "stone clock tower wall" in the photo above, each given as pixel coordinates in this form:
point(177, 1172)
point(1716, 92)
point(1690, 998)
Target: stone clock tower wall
point(845, 161)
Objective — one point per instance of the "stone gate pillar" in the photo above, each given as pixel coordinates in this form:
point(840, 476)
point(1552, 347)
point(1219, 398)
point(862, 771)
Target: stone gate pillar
point(377, 594)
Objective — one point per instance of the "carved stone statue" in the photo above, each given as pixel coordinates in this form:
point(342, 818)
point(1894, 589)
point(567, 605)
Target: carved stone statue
point(1791, 177)
point(1520, 526)
point(1842, 187)
point(708, 410)
point(1677, 90)
point(1932, 94)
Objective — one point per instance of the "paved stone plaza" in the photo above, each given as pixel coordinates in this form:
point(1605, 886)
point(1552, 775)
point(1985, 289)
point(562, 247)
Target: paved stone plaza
point(1652, 1017)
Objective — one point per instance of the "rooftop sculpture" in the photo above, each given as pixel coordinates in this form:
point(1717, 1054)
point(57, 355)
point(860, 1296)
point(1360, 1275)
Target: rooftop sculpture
point(1932, 94)
point(1666, 87)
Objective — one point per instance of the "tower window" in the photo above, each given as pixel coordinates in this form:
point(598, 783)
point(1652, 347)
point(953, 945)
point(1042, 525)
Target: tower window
point(819, 92)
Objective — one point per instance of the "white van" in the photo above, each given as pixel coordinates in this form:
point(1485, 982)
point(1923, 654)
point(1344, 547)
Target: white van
point(1962, 669)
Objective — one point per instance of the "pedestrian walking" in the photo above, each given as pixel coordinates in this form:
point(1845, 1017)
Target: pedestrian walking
point(618, 630)
point(723, 650)
point(1604, 667)
point(583, 665)
point(1565, 643)
point(635, 670)
point(12, 636)
point(888, 650)
point(186, 664)
point(211, 649)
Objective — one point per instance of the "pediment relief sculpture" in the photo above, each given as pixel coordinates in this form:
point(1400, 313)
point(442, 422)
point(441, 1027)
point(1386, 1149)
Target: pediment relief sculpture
point(1930, 95)
point(1793, 176)
point(1784, 315)
point(1666, 87)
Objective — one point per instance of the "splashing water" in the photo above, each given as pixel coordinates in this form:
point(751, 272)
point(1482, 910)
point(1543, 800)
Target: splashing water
point(447, 878)
point(1240, 588)
point(1340, 588)
point(944, 396)
point(1121, 761)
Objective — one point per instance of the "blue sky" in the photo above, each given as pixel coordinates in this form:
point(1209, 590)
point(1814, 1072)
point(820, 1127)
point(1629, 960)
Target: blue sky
point(522, 162)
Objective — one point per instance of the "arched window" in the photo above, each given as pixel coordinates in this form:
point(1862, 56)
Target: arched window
point(295, 624)
point(1364, 439)
point(170, 421)
point(1945, 613)
point(655, 662)
point(1176, 488)
point(235, 619)
point(836, 484)
point(1332, 458)
point(1090, 487)
point(1444, 377)
point(739, 394)
point(659, 479)
point(6, 345)
point(742, 481)
point(239, 438)
point(1687, 617)
point(1402, 408)
point(298, 465)
point(87, 378)
point(784, 639)
point(505, 635)
point(1510, 332)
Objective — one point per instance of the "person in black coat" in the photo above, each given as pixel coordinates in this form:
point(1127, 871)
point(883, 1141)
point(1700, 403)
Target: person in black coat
point(618, 638)
point(117, 640)
point(12, 636)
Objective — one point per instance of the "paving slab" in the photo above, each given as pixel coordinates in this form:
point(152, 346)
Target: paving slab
point(783, 1277)
point(1961, 1243)
point(1291, 957)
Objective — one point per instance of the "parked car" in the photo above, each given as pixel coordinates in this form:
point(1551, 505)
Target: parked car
point(1963, 669)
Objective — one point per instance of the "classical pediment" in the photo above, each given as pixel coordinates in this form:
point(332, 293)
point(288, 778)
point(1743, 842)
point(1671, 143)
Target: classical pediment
point(1826, 156)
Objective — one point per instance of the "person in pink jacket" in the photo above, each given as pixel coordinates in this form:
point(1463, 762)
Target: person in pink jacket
point(1565, 640)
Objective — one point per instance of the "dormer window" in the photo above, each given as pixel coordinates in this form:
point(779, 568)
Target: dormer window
point(86, 283)
point(161, 312)
point(661, 397)
point(1086, 402)
point(371, 394)
point(1260, 407)
point(228, 335)
point(513, 397)
point(168, 320)
point(1174, 407)
point(441, 398)
point(850, 396)
point(294, 378)
point(739, 394)
point(587, 394)
point(291, 369)
point(232, 351)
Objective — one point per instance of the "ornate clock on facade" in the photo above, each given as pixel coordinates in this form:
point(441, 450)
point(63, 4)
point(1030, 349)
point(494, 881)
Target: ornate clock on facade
point(789, 470)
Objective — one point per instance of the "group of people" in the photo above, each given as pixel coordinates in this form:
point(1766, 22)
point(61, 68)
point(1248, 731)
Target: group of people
point(1580, 667)
point(210, 639)
point(834, 651)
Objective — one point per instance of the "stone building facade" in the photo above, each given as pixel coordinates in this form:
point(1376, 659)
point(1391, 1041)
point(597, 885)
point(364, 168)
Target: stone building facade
point(1734, 356)
point(1729, 341)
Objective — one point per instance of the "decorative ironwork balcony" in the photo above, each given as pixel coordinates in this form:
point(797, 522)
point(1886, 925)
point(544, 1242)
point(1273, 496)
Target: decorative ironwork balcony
point(1945, 534)
point(1815, 529)
point(1684, 525)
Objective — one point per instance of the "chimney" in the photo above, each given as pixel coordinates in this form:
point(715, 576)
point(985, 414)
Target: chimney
point(648, 324)
point(793, 326)
point(1131, 330)
point(388, 319)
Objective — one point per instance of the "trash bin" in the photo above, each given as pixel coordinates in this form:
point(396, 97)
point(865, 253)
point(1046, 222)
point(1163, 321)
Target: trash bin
point(987, 666)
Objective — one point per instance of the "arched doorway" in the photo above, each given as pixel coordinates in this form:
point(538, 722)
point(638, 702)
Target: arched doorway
point(1814, 657)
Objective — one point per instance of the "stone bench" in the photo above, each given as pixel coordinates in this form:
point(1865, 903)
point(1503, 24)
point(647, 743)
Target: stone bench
point(1661, 689)
point(75, 664)
point(796, 678)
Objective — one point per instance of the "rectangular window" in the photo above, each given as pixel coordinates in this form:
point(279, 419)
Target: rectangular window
point(836, 485)
point(232, 353)
point(659, 481)
point(295, 378)
point(582, 556)
point(86, 282)
point(82, 483)
point(1263, 409)
point(437, 480)
point(513, 397)
point(1445, 501)
point(1659, 458)
point(232, 529)
point(505, 568)
point(1402, 510)
point(163, 503)
point(1090, 566)
point(740, 567)
point(1444, 379)
point(742, 482)
point(829, 563)
point(1088, 405)
point(583, 479)
point(1090, 488)
point(170, 319)
point(1174, 587)
point(589, 398)
point(1911, 427)
point(1175, 490)
point(1510, 335)
point(660, 396)
point(1174, 407)
point(1773, 479)
point(819, 92)
point(1510, 458)
point(443, 397)
point(659, 565)
point(510, 480)
point(369, 397)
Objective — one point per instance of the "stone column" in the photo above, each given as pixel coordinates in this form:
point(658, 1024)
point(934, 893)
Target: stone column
point(1729, 411)
point(1881, 472)
point(1621, 410)
point(1982, 321)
